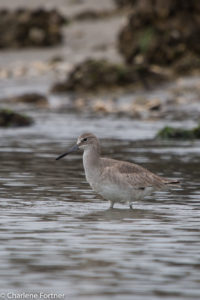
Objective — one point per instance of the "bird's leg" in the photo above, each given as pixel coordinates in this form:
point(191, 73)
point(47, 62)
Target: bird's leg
point(112, 204)
point(131, 205)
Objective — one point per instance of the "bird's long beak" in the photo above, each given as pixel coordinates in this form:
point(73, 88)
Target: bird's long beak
point(72, 149)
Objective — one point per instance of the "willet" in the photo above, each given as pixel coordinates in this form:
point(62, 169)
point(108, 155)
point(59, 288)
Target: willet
point(115, 180)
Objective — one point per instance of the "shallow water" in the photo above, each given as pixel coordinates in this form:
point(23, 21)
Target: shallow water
point(58, 236)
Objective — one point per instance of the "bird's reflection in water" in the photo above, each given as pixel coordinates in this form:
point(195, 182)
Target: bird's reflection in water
point(124, 214)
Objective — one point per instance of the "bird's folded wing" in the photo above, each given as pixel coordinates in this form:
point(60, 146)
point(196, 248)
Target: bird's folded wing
point(131, 176)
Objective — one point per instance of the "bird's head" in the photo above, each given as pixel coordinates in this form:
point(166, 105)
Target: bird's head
point(84, 142)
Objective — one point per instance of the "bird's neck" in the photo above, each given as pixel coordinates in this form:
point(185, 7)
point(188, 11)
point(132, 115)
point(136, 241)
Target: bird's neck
point(91, 161)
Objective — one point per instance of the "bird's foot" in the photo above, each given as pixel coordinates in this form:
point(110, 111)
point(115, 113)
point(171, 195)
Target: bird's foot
point(131, 205)
point(111, 204)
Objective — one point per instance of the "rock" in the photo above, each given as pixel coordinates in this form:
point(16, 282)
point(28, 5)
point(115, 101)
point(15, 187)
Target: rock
point(30, 28)
point(196, 132)
point(56, 59)
point(103, 107)
point(93, 75)
point(89, 15)
point(9, 118)
point(179, 133)
point(155, 33)
point(154, 104)
point(187, 64)
point(80, 104)
point(93, 15)
point(32, 99)
point(59, 87)
point(125, 3)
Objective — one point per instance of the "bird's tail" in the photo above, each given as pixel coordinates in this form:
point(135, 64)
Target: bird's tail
point(172, 182)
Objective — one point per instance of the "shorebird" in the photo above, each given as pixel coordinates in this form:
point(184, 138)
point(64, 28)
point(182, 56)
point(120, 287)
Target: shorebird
point(116, 181)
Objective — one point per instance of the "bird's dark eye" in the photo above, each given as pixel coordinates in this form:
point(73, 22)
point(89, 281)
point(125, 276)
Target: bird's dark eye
point(85, 140)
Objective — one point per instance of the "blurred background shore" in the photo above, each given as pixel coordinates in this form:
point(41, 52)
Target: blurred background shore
point(130, 58)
